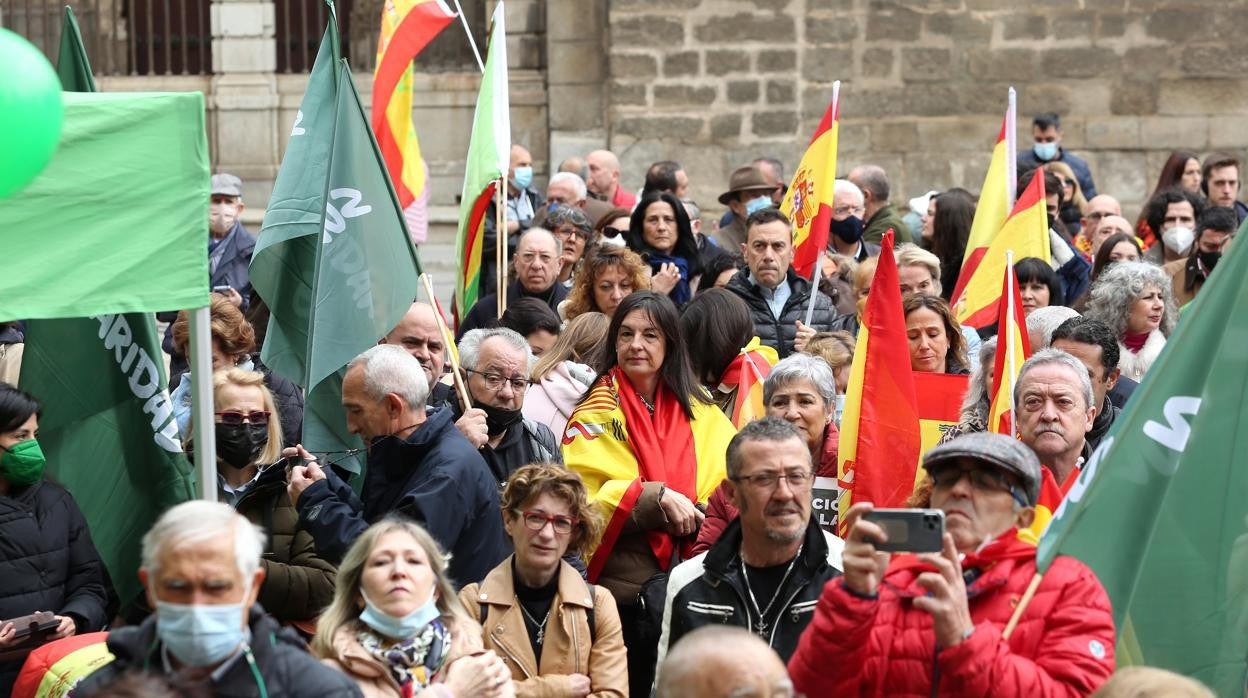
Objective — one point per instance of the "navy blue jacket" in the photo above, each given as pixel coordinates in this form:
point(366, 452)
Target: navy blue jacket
point(1027, 160)
point(434, 477)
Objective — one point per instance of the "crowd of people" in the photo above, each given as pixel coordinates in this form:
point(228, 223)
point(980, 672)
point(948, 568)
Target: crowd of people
point(594, 510)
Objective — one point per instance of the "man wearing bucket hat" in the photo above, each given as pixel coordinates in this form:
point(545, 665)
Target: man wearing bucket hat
point(748, 191)
point(934, 623)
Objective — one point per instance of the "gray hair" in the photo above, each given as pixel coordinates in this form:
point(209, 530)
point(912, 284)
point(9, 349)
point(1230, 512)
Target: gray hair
point(1119, 285)
point(765, 429)
point(977, 401)
point(844, 186)
point(911, 255)
point(571, 215)
point(692, 208)
point(539, 231)
point(198, 521)
point(1055, 357)
point(388, 368)
point(1044, 321)
point(796, 367)
point(578, 184)
point(470, 346)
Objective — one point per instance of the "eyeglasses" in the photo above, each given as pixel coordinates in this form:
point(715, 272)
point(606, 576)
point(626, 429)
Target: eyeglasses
point(983, 480)
point(612, 232)
point(846, 210)
point(495, 382)
point(537, 520)
point(565, 233)
point(236, 417)
point(769, 481)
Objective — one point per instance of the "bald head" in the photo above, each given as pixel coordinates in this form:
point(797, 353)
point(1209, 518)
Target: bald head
point(418, 333)
point(604, 173)
point(1109, 225)
point(721, 661)
point(1098, 208)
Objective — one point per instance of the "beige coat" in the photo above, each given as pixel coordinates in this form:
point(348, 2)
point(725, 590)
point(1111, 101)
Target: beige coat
point(567, 648)
point(374, 680)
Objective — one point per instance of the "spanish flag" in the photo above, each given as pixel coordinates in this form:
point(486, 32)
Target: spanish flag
point(489, 156)
point(880, 437)
point(1051, 496)
point(1013, 348)
point(616, 445)
point(808, 202)
point(52, 670)
point(1026, 233)
point(745, 375)
point(940, 409)
point(990, 212)
point(407, 26)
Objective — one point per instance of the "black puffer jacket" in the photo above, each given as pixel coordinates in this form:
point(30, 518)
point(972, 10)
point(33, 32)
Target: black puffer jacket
point(284, 665)
point(780, 332)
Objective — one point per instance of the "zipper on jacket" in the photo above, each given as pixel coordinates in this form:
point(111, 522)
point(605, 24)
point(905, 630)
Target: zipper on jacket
point(511, 654)
point(771, 641)
point(935, 668)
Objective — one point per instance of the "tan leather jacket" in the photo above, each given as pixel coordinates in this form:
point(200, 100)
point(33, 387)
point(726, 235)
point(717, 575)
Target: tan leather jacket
point(374, 680)
point(567, 648)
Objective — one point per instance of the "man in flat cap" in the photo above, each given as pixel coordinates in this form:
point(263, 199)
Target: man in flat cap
point(934, 623)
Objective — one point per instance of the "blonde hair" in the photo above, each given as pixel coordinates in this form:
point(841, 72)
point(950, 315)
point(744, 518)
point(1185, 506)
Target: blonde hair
point(1058, 167)
point(243, 378)
point(1151, 682)
point(836, 348)
point(532, 481)
point(345, 608)
point(580, 341)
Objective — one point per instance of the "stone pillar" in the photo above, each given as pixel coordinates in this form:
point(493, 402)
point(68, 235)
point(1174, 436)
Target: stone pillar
point(576, 49)
point(244, 97)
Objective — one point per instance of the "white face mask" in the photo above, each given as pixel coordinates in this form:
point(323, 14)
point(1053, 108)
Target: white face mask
point(221, 217)
point(1178, 239)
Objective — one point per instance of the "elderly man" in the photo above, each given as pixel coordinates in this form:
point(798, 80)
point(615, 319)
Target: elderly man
point(537, 276)
point(748, 191)
point(719, 661)
point(1215, 228)
point(1053, 401)
point(847, 224)
point(201, 570)
point(496, 366)
point(1098, 208)
point(604, 180)
point(1094, 344)
point(419, 334)
point(776, 295)
point(418, 465)
point(932, 624)
point(880, 214)
point(1106, 228)
point(568, 188)
point(523, 203)
point(768, 567)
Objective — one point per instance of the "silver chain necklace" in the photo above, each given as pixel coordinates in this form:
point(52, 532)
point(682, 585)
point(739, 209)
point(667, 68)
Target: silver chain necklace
point(541, 627)
point(762, 615)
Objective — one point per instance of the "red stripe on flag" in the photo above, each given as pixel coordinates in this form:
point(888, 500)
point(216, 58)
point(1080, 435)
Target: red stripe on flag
point(621, 515)
point(415, 31)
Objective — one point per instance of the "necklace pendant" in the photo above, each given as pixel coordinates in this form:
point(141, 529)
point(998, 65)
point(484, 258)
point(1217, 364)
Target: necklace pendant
point(761, 630)
point(541, 634)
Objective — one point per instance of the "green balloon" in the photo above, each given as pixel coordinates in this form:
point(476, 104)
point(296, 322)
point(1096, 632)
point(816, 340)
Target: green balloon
point(30, 112)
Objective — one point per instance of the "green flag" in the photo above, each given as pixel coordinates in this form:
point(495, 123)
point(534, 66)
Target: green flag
point(72, 65)
point(118, 221)
point(1160, 512)
point(334, 257)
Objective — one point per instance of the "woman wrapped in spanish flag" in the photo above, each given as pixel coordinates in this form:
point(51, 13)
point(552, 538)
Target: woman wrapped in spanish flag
point(649, 444)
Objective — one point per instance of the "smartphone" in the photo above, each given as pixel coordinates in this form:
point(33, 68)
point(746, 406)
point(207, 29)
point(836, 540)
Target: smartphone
point(909, 530)
point(221, 289)
point(40, 622)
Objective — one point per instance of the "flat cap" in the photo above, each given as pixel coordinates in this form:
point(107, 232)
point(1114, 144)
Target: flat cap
point(1010, 455)
point(226, 185)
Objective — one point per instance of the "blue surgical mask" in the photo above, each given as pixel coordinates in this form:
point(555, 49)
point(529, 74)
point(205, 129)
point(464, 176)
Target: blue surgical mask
point(523, 178)
point(399, 628)
point(1045, 151)
point(201, 635)
point(758, 203)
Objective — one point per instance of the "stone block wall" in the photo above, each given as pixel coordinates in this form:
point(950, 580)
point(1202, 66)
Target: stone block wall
point(714, 83)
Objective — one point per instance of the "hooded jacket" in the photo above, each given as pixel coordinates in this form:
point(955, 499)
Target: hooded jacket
point(779, 333)
point(552, 400)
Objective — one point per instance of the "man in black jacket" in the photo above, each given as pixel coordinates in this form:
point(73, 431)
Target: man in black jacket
point(419, 465)
point(766, 572)
point(201, 562)
point(776, 295)
point(537, 276)
point(1094, 344)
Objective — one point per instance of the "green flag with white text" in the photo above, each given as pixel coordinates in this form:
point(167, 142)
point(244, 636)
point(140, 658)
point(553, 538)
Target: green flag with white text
point(1160, 512)
point(72, 65)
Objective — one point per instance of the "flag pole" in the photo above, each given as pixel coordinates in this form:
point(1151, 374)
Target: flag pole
point(446, 335)
point(816, 274)
point(1011, 330)
point(201, 402)
point(471, 41)
point(1011, 149)
point(500, 224)
point(1022, 606)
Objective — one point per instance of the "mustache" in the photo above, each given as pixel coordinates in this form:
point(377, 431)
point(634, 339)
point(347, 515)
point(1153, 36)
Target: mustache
point(782, 509)
point(1050, 429)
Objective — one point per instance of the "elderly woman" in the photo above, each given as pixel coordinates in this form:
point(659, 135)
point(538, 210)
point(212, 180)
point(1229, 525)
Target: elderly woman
point(565, 372)
point(802, 391)
point(574, 231)
point(936, 342)
point(47, 560)
point(650, 446)
point(298, 584)
point(977, 401)
point(396, 626)
point(607, 275)
point(660, 232)
point(720, 332)
point(1136, 300)
point(559, 635)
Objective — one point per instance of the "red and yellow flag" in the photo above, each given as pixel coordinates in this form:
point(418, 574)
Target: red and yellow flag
point(880, 437)
point(407, 26)
point(1011, 334)
point(1026, 234)
point(1051, 496)
point(990, 212)
point(746, 375)
point(808, 202)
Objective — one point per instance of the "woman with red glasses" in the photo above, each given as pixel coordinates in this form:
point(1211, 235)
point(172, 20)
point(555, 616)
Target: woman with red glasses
point(251, 478)
point(559, 635)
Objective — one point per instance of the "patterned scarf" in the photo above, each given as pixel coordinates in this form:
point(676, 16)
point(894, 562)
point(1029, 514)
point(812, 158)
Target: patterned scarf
point(412, 662)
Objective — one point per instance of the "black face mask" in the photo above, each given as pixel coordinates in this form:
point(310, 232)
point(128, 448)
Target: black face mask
point(1209, 260)
point(239, 444)
point(497, 419)
point(848, 230)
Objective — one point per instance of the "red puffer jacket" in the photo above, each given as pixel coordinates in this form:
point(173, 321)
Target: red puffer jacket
point(1063, 645)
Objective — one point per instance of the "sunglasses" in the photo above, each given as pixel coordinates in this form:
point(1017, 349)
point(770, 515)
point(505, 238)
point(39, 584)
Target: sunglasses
point(236, 417)
point(612, 232)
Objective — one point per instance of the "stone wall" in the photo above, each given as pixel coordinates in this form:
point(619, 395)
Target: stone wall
point(714, 83)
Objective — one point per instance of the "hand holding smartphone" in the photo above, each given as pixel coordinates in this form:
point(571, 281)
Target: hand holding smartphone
point(909, 530)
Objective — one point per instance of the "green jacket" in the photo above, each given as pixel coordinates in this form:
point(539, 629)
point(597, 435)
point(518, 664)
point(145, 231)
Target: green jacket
point(884, 219)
